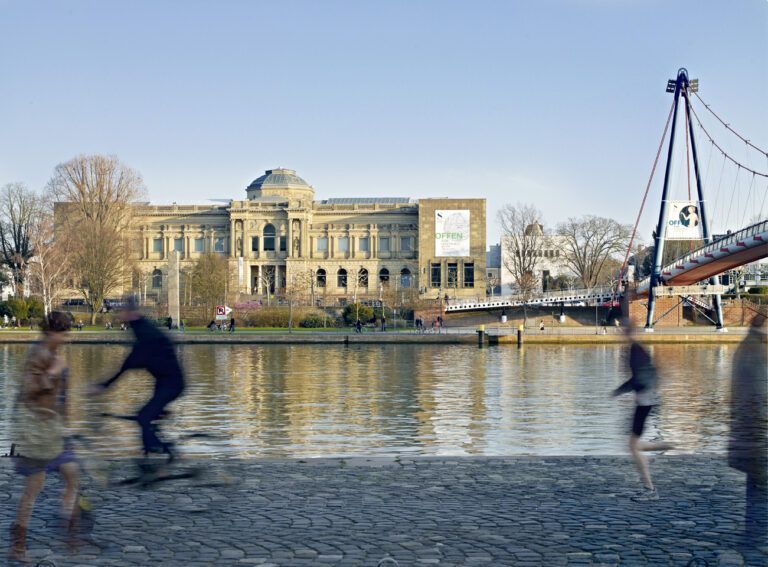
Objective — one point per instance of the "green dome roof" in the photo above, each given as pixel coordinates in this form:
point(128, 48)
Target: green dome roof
point(279, 178)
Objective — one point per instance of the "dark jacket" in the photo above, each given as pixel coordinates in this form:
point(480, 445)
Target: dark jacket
point(644, 376)
point(153, 352)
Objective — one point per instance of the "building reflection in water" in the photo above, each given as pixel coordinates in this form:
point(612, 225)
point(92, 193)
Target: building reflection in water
point(312, 400)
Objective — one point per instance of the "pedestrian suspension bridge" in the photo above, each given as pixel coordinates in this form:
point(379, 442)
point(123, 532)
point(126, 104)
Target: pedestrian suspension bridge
point(739, 188)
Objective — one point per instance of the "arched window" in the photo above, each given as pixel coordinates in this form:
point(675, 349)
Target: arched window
point(362, 277)
point(157, 279)
point(341, 278)
point(405, 278)
point(269, 238)
point(320, 277)
point(384, 276)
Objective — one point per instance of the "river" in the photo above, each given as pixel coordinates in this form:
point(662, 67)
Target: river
point(320, 400)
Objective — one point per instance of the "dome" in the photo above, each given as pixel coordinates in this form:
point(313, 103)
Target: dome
point(534, 229)
point(279, 178)
point(280, 183)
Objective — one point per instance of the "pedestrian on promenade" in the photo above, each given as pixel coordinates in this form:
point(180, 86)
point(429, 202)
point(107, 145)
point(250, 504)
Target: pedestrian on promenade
point(212, 326)
point(232, 326)
point(38, 426)
point(748, 443)
point(154, 352)
point(541, 325)
point(643, 382)
point(169, 323)
point(358, 326)
point(181, 325)
point(383, 323)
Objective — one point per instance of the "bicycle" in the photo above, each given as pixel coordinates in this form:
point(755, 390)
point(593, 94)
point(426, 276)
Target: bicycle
point(154, 468)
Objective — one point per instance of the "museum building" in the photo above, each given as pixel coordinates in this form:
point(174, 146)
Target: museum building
point(341, 248)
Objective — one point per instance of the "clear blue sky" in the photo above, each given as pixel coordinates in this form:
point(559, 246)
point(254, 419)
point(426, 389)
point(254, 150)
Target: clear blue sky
point(559, 103)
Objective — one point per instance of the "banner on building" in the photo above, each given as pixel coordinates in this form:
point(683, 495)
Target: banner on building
point(683, 222)
point(452, 233)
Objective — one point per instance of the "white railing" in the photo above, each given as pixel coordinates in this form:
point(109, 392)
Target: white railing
point(725, 241)
point(566, 296)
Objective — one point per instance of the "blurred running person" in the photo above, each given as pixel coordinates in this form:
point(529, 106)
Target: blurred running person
point(154, 352)
point(38, 421)
point(643, 382)
point(748, 443)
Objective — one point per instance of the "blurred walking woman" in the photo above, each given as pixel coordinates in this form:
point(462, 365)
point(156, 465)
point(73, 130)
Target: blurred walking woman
point(38, 428)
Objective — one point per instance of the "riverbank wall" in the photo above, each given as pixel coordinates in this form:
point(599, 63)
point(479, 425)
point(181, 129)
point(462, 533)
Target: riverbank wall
point(490, 337)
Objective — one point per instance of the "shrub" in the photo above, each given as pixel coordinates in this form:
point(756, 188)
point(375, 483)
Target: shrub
point(19, 308)
point(353, 311)
point(758, 290)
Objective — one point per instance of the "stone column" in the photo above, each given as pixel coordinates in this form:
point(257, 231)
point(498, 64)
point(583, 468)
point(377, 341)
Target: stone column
point(173, 287)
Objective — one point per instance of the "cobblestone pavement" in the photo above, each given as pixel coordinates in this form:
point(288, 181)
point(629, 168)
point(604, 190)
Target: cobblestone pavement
point(425, 511)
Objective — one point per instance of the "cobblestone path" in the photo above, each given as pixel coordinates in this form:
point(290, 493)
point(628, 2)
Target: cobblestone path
point(426, 511)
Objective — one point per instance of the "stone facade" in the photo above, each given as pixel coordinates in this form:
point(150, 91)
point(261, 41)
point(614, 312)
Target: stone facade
point(280, 239)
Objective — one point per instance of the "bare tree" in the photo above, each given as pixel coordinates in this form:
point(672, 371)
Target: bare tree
point(267, 280)
point(492, 281)
point(210, 275)
point(49, 268)
point(523, 239)
point(589, 243)
point(19, 209)
point(94, 196)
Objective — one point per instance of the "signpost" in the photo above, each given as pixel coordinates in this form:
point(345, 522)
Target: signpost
point(222, 312)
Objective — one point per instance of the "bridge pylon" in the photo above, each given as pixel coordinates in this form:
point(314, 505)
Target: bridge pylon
point(681, 87)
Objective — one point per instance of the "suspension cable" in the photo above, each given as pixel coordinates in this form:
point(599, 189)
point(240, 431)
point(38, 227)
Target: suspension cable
point(722, 151)
point(645, 196)
point(728, 126)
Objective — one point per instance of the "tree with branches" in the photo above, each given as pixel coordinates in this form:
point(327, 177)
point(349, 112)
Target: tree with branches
point(210, 275)
point(589, 243)
point(94, 196)
point(19, 210)
point(49, 268)
point(523, 238)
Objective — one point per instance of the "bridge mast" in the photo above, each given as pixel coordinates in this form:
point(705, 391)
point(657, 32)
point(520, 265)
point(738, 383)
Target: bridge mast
point(678, 87)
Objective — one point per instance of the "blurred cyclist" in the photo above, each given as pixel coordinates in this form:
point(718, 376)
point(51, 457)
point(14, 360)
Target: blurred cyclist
point(154, 352)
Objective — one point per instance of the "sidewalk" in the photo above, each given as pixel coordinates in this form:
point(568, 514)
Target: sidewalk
point(452, 511)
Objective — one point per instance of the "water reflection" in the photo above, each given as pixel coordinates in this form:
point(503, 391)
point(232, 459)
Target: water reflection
point(295, 400)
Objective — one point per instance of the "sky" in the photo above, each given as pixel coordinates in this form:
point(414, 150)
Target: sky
point(556, 103)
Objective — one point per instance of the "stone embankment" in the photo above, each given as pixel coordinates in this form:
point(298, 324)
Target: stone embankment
point(522, 511)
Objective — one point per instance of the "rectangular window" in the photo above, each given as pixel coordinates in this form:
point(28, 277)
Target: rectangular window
point(469, 275)
point(384, 244)
point(406, 243)
point(322, 244)
point(363, 244)
point(254, 243)
point(344, 244)
point(178, 244)
point(199, 245)
point(157, 245)
point(453, 275)
point(435, 275)
point(283, 244)
point(219, 244)
point(269, 242)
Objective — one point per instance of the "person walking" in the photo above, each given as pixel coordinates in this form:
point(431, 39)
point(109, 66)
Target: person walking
point(38, 428)
point(748, 441)
point(541, 325)
point(643, 382)
point(358, 326)
point(383, 323)
point(232, 326)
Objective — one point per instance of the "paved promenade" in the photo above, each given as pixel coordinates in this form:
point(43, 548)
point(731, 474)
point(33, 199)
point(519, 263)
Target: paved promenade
point(453, 511)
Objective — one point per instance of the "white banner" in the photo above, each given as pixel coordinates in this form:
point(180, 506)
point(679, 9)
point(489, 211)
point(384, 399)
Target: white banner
point(683, 222)
point(452, 233)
